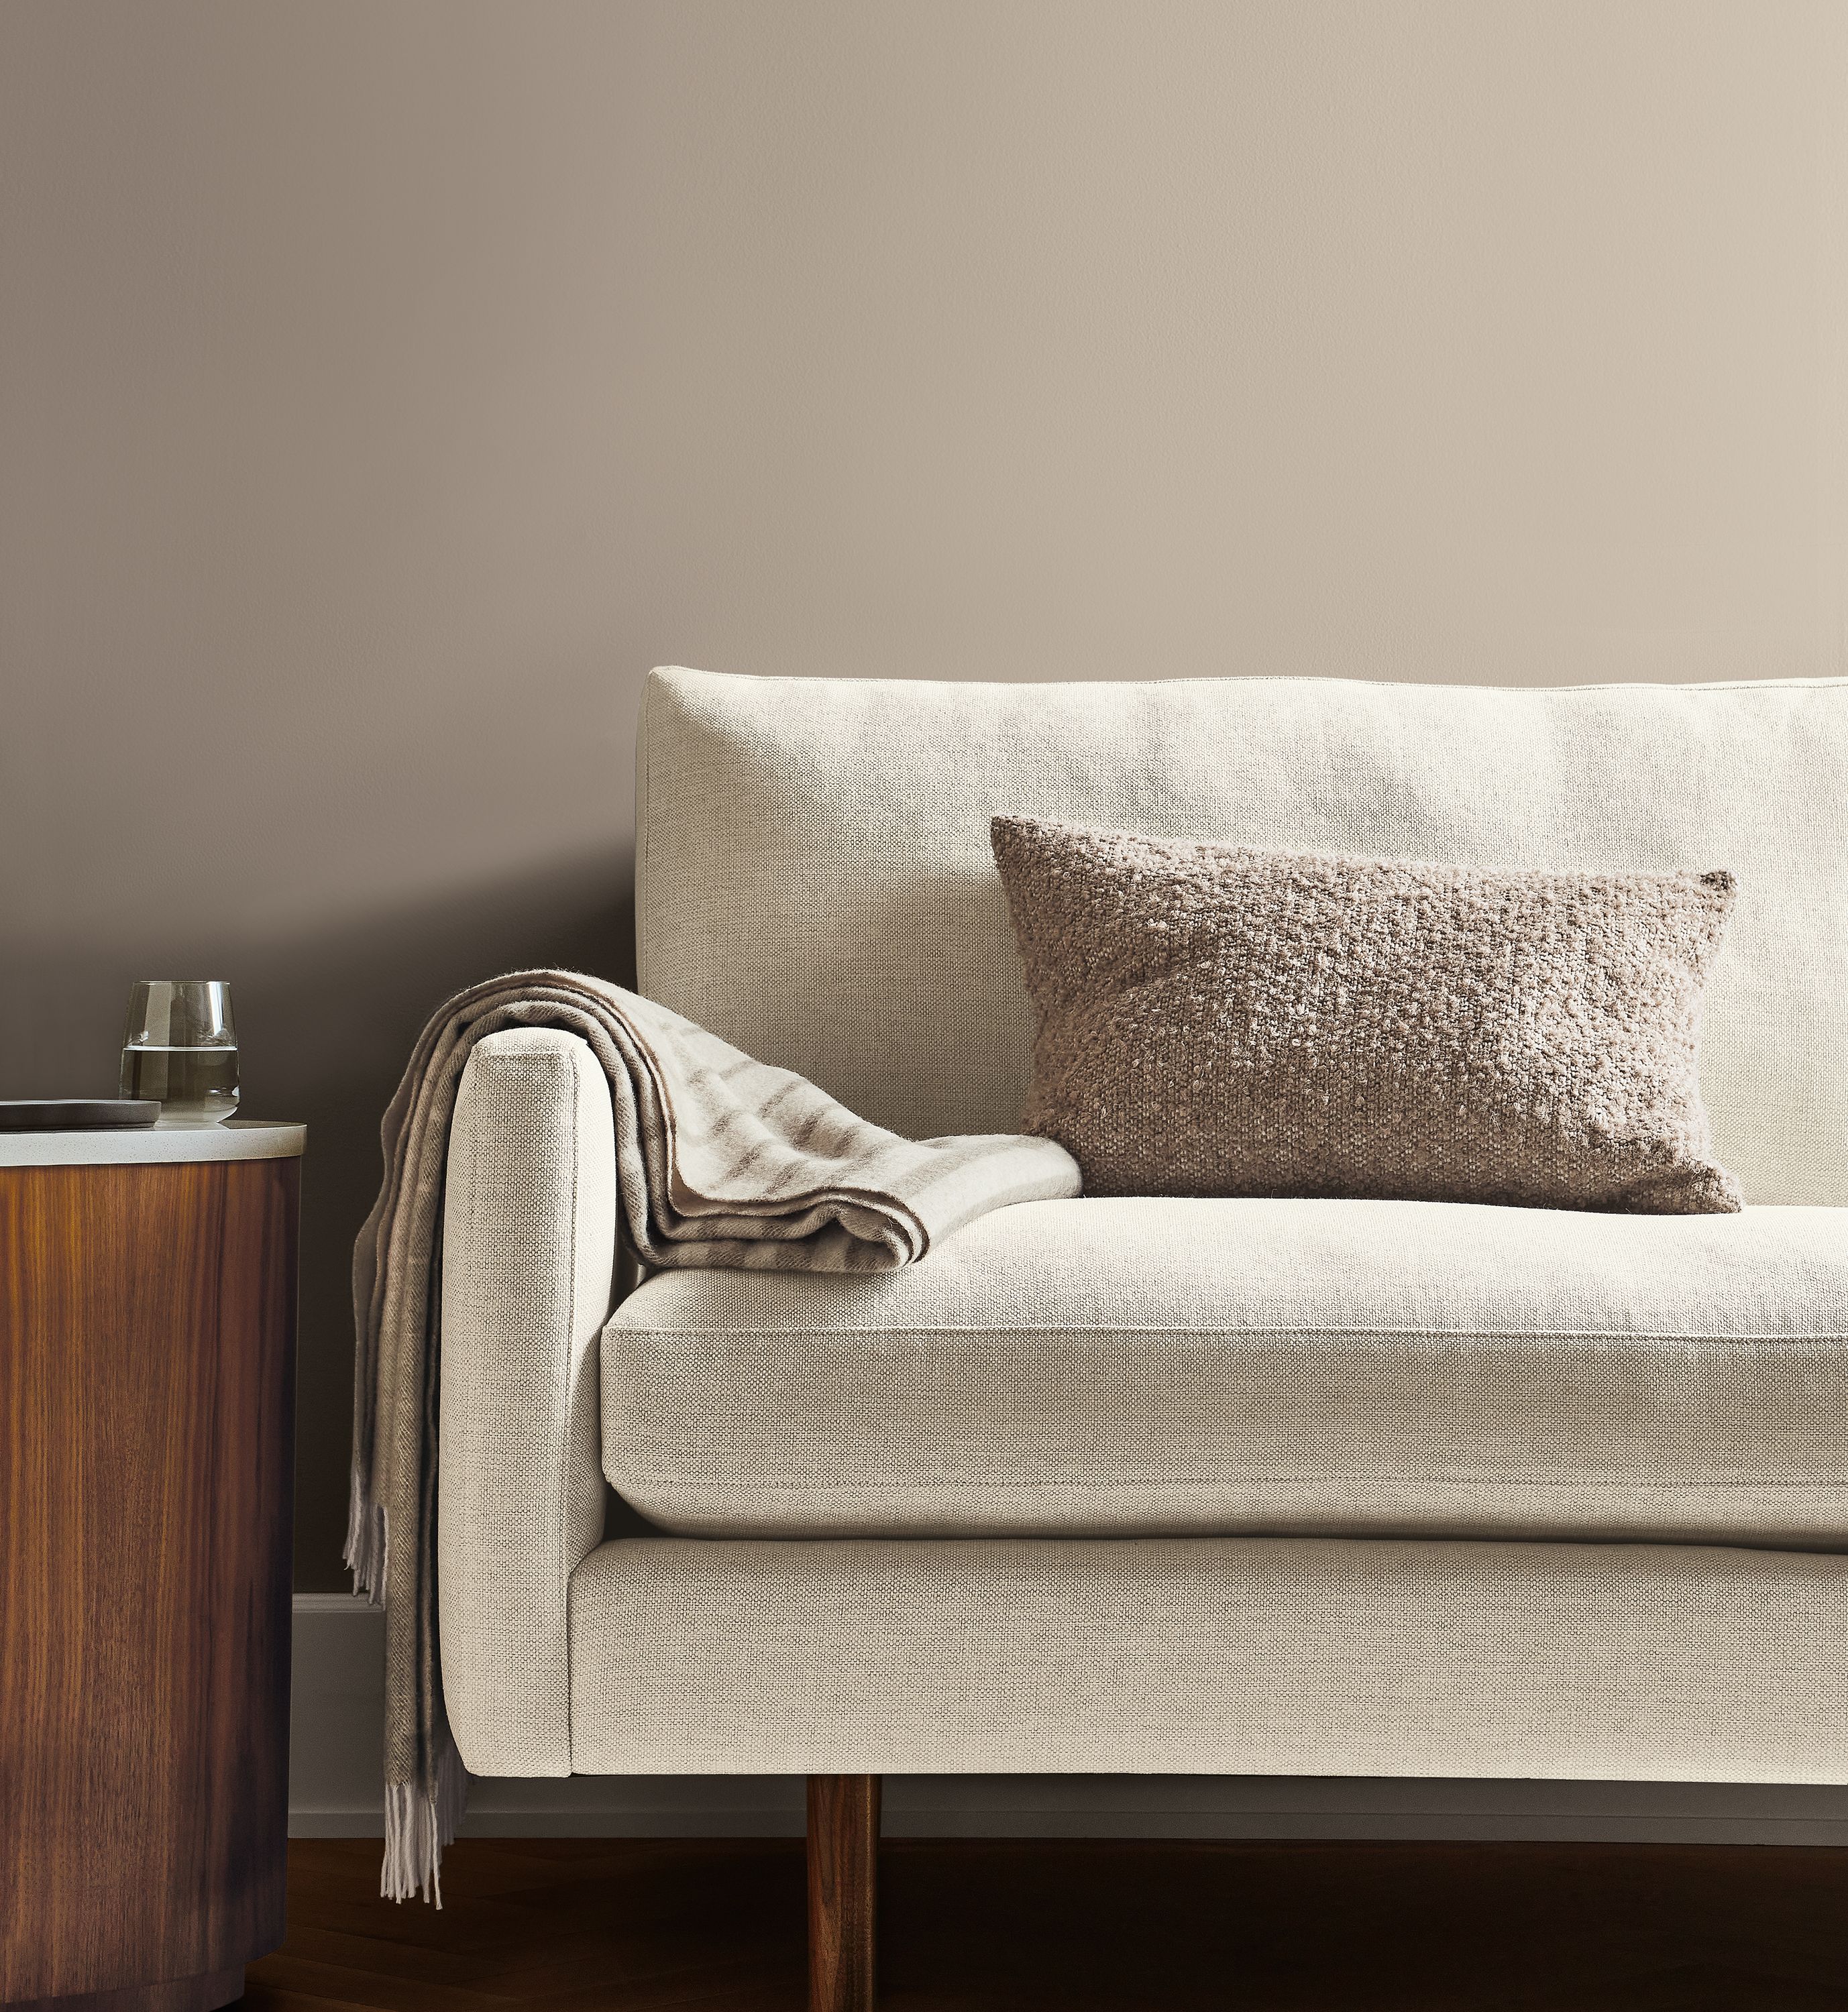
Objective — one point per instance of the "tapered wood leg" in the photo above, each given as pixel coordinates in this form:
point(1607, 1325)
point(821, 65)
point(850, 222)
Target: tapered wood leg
point(842, 1892)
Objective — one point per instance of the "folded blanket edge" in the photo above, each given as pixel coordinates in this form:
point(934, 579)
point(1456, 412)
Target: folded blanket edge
point(649, 1056)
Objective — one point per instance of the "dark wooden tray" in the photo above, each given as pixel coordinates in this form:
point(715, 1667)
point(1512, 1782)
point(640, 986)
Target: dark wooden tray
point(76, 1114)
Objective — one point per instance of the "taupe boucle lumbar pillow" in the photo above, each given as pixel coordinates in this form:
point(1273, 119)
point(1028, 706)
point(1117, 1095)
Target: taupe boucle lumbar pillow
point(1219, 1020)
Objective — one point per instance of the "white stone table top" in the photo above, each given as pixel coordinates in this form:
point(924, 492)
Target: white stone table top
point(236, 1139)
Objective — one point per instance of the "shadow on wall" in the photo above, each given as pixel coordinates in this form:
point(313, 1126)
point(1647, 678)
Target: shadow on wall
point(326, 1019)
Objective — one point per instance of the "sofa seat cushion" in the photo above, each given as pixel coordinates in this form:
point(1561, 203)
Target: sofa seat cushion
point(1163, 1367)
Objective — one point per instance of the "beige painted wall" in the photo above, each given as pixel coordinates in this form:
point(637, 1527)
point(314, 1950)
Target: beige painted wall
point(387, 383)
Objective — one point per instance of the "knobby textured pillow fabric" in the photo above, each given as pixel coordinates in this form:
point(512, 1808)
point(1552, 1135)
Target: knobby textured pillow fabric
point(1221, 1020)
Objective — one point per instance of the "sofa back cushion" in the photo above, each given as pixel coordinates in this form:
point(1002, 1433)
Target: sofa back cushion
point(815, 882)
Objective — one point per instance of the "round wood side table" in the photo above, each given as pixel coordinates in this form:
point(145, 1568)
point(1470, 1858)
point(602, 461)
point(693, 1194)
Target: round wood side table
point(147, 1458)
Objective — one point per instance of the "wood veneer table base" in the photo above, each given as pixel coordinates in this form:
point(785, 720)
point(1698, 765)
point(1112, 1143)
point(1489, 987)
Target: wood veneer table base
point(204, 1993)
point(147, 1390)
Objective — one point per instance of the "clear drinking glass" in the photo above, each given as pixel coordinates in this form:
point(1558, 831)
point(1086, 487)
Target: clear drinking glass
point(179, 1048)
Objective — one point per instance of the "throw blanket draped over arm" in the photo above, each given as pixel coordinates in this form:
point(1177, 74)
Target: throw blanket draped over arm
point(720, 1160)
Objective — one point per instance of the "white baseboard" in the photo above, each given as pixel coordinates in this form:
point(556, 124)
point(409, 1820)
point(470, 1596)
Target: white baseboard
point(335, 1791)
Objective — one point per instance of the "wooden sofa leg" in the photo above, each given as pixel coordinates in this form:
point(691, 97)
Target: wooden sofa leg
point(842, 1892)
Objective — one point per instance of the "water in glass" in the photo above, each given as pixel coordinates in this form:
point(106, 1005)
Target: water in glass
point(180, 1049)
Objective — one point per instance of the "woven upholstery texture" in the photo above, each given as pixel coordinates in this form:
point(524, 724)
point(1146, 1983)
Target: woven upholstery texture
point(815, 882)
point(1166, 1366)
point(1603, 1662)
point(528, 1233)
point(1226, 1020)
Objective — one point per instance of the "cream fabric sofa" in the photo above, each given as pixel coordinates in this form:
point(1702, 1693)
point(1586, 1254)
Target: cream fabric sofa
point(1265, 1486)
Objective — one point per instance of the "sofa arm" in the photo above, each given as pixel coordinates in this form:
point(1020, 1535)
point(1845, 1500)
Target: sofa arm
point(528, 1249)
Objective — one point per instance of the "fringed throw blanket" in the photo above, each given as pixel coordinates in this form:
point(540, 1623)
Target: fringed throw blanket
point(720, 1160)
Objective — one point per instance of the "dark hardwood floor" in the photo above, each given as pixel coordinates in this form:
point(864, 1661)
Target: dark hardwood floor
point(595, 1926)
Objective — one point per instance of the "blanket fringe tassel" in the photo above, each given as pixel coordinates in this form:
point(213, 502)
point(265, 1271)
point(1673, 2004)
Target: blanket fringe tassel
point(368, 1548)
point(417, 1827)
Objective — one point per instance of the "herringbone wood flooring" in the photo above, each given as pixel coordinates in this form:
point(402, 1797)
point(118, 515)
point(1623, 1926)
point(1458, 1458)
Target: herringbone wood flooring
point(588, 1926)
